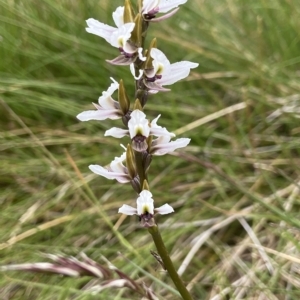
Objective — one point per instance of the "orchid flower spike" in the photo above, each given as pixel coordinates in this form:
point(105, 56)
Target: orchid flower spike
point(152, 7)
point(165, 73)
point(108, 108)
point(139, 130)
point(145, 209)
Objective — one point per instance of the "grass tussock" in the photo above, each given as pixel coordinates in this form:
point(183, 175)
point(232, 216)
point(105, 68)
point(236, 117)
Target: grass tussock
point(235, 188)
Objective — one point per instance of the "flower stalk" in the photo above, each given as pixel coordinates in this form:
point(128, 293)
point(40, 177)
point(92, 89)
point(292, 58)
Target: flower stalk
point(168, 264)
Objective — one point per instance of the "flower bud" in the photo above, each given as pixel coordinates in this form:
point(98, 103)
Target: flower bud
point(149, 141)
point(142, 95)
point(145, 185)
point(140, 5)
point(136, 34)
point(128, 12)
point(148, 63)
point(147, 159)
point(130, 162)
point(137, 105)
point(135, 183)
point(123, 98)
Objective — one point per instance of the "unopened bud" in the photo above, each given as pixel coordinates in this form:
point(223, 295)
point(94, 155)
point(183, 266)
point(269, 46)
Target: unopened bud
point(136, 35)
point(147, 159)
point(142, 95)
point(128, 16)
point(130, 162)
point(140, 5)
point(137, 105)
point(148, 63)
point(123, 98)
point(145, 185)
point(135, 183)
point(149, 141)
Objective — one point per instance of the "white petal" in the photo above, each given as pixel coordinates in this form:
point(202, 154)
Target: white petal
point(164, 148)
point(129, 48)
point(166, 5)
point(120, 177)
point(145, 203)
point(101, 171)
point(161, 131)
point(132, 70)
point(149, 5)
point(118, 16)
point(138, 124)
point(176, 72)
point(127, 210)
point(99, 115)
point(105, 100)
point(117, 164)
point(116, 132)
point(120, 36)
point(158, 130)
point(160, 61)
point(140, 52)
point(164, 139)
point(100, 29)
point(165, 209)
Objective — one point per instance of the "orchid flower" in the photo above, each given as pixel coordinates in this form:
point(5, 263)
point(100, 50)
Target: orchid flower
point(152, 7)
point(145, 208)
point(139, 130)
point(165, 73)
point(116, 170)
point(116, 36)
point(108, 108)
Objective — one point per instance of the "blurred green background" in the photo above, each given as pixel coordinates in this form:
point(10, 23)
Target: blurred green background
point(235, 187)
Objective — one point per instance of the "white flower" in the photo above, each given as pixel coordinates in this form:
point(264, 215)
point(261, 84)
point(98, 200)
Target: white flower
point(116, 36)
point(165, 73)
point(162, 145)
point(145, 208)
point(139, 130)
point(108, 108)
point(152, 7)
point(116, 170)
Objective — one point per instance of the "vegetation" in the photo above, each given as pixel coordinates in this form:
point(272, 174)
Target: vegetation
point(235, 188)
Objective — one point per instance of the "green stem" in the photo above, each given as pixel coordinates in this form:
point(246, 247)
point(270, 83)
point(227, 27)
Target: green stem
point(162, 251)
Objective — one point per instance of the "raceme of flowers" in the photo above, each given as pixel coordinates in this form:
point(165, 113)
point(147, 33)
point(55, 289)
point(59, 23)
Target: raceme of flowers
point(151, 70)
